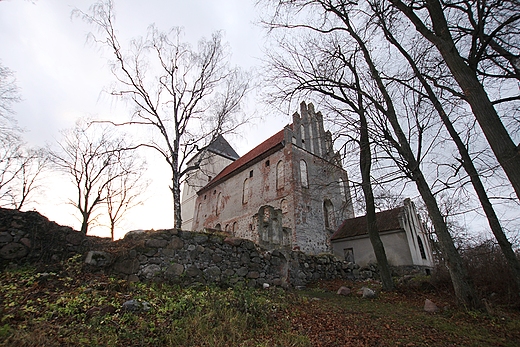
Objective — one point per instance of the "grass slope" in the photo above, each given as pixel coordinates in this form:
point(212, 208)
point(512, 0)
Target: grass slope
point(70, 308)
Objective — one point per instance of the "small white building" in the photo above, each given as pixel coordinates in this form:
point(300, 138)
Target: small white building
point(401, 231)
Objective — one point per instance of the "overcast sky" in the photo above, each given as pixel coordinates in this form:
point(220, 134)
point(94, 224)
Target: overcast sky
point(62, 76)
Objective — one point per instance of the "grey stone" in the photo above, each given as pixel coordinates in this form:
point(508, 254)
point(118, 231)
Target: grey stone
point(98, 258)
point(200, 238)
point(127, 266)
point(430, 307)
point(13, 251)
point(174, 270)
point(233, 241)
point(156, 243)
point(212, 273)
point(5, 237)
point(216, 258)
point(193, 271)
point(176, 243)
point(228, 272)
point(136, 306)
point(166, 252)
point(343, 291)
point(151, 270)
point(191, 247)
point(253, 275)
point(242, 271)
point(245, 259)
point(368, 293)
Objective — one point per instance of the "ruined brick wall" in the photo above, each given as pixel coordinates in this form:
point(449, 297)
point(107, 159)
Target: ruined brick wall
point(302, 177)
point(234, 208)
point(310, 213)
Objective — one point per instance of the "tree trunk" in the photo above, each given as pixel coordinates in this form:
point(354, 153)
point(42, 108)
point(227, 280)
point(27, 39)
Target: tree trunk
point(365, 161)
point(462, 283)
point(84, 224)
point(467, 163)
point(176, 192)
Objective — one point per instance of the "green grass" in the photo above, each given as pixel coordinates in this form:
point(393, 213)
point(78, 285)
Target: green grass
point(70, 308)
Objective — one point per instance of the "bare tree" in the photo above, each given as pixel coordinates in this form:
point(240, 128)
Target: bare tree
point(191, 97)
point(91, 155)
point(487, 32)
point(127, 190)
point(20, 166)
point(465, 157)
point(343, 27)
point(9, 94)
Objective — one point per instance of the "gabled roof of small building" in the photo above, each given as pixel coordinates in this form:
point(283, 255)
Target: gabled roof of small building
point(386, 221)
point(221, 147)
point(248, 159)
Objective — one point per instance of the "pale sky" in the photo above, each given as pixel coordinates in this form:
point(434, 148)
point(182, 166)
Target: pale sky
point(61, 77)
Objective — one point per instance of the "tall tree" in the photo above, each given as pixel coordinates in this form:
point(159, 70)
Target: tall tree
point(465, 157)
point(191, 97)
point(478, 27)
point(343, 26)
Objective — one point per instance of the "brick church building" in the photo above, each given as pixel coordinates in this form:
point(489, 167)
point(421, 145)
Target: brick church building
point(288, 192)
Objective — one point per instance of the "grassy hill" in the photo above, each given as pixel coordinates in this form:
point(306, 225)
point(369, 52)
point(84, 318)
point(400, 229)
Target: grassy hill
point(65, 306)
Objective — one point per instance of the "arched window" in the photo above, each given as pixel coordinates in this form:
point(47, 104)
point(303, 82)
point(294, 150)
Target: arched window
point(328, 214)
point(245, 191)
point(218, 227)
point(284, 206)
point(219, 201)
point(421, 247)
point(304, 176)
point(198, 210)
point(235, 227)
point(280, 175)
point(342, 189)
point(227, 228)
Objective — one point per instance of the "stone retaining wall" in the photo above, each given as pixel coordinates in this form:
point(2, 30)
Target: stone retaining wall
point(175, 256)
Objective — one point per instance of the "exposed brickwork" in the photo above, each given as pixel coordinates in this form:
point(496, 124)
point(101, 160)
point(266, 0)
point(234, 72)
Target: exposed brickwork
point(296, 172)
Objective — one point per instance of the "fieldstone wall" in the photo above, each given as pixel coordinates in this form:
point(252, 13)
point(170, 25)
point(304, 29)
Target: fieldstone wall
point(174, 256)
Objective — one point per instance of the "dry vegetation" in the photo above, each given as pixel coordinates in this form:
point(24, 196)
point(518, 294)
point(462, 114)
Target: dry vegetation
point(64, 306)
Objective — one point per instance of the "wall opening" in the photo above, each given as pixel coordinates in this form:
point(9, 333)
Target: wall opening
point(328, 214)
point(245, 191)
point(304, 176)
point(280, 177)
point(421, 247)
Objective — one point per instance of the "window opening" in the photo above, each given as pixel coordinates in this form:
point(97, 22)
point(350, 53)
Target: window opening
point(349, 254)
point(280, 176)
point(303, 174)
point(421, 247)
point(328, 214)
point(245, 191)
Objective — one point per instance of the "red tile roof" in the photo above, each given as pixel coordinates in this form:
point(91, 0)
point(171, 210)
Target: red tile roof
point(248, 159)
point(386, 221)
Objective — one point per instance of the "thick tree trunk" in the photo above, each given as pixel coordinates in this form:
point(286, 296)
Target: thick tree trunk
point(462, 283)
point(469, 167)
point(84, 224)
point(365, 161)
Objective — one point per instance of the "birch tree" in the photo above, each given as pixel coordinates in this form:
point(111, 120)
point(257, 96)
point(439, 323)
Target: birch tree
point(184, 96)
